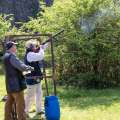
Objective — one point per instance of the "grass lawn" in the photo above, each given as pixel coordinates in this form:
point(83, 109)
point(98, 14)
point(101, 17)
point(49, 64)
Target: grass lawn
point(82, 104)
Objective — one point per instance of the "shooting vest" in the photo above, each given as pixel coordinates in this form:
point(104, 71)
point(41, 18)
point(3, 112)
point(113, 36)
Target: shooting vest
point(37, 71)
point(15, 81)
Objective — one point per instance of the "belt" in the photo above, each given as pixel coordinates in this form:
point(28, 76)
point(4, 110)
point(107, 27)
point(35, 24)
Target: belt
point(34, 77)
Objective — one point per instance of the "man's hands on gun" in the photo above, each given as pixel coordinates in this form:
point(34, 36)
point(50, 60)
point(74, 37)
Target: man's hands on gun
point(28, 70)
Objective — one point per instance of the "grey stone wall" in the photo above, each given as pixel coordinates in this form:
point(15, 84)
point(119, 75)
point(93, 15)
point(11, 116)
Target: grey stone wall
point(22, 9)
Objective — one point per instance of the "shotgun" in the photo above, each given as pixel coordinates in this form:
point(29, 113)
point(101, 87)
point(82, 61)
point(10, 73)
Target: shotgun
point(53, 37)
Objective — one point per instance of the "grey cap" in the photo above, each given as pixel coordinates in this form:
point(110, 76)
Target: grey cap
point(9, 44)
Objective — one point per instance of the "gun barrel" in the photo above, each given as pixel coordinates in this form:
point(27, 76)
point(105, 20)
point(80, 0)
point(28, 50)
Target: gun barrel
point(58, 33)
point(53, 36)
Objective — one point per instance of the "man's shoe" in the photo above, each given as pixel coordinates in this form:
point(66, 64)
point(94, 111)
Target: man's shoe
point(27, 116)
point(32, 111)
point(40, 113)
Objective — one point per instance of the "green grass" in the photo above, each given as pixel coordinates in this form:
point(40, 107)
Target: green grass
point(2, 93)
point(90, 104)
point(82, 104)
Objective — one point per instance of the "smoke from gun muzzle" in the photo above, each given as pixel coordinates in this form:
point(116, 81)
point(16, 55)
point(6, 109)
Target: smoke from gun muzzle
point(89, 23)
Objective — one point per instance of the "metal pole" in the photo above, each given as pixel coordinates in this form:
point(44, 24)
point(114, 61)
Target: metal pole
point(44, 74)
point(53, 66)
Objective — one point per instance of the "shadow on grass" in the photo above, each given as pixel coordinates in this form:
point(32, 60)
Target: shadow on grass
point(38, 117)
point(83, 99)
point(1, 69)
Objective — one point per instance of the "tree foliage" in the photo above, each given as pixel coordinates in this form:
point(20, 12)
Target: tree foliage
point(4, 26)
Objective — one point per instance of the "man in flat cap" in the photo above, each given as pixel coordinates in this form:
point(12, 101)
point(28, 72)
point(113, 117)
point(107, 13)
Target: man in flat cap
point(15, 82)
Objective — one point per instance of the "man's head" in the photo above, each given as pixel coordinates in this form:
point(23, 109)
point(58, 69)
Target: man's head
point(11, 46)
point(31, 44)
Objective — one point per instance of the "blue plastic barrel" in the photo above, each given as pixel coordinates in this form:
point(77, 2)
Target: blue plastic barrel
point(52, 108)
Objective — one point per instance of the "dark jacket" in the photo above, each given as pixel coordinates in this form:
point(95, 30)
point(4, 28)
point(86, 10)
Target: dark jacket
point(37, 71)
point(15, 81)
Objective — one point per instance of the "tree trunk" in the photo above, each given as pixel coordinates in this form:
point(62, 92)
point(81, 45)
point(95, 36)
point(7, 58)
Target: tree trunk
point(21, 9)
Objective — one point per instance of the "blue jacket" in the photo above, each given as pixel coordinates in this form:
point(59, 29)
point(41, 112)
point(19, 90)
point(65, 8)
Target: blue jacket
point(15, 81)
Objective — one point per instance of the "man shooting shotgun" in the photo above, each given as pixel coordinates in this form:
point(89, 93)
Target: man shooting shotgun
point(32, 57)
point(34, 89)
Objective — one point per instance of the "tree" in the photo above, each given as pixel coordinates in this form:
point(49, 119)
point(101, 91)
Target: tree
point(21, 9)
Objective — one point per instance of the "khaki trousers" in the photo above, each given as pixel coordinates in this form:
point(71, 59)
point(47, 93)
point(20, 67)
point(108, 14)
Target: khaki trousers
point(18, 99)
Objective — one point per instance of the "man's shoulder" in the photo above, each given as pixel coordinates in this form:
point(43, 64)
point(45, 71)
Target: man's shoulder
point(8, 55)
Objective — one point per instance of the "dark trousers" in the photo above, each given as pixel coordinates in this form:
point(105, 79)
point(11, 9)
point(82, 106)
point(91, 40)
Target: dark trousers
point(18, 99)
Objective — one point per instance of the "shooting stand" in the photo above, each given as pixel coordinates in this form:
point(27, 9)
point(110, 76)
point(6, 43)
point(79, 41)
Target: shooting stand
point(18, 38)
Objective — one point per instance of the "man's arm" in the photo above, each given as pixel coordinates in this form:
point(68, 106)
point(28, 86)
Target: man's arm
point(33, 57)
point(19, 64)
point(45, 46)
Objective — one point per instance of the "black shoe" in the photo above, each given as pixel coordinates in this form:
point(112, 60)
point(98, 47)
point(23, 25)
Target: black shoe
point(27, 116)
point(32, 111)
point(40, 113)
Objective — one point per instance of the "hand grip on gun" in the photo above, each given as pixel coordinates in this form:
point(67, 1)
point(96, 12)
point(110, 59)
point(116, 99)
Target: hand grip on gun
point(30, 68)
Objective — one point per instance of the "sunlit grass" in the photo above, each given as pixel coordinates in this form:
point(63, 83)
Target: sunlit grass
point(82, 104)
point(90, 104)
point(2, 93)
